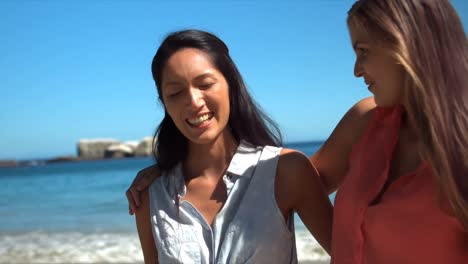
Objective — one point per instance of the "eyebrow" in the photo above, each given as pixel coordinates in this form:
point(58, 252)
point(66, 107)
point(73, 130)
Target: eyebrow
point(199, 77)
point(170, 83)
point(205, 75)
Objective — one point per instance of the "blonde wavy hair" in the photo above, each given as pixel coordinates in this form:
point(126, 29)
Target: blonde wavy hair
point(427, 38)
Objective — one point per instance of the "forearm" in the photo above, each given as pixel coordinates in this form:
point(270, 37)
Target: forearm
point(143, 223)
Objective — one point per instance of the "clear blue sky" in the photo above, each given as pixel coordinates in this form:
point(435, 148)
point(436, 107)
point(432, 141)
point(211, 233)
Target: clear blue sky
point(81, 69)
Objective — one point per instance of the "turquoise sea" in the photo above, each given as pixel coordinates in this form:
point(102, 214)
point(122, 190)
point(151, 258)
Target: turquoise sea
point(76, 212)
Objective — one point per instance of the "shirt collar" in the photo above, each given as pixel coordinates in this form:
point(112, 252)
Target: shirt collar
point(246, 157)
point(242, 164)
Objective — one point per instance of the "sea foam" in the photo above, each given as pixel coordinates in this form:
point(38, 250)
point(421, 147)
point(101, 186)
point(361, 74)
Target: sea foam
point(75, 247)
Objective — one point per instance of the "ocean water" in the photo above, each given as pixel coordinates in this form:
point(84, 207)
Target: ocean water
point(77, 212)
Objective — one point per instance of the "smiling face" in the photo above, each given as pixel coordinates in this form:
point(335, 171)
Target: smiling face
point(381, 73)
point(196, 96)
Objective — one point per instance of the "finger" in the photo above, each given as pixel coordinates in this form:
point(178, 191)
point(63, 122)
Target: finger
point(135, 194)
point(131, 202)
point(143, 183)
point(141, 174)
point(147, 178)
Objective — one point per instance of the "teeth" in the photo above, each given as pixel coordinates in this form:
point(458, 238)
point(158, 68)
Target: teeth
point(198, 120)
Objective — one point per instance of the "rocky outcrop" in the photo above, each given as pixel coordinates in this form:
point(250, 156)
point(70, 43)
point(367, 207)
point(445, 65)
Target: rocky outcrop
point(111, 148)
point(119, 151)
point(94, 148)
point(145, 147)
point(8, 163)
point(63, 159)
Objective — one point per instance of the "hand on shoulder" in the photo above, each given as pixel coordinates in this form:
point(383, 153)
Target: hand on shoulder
point(141, 182)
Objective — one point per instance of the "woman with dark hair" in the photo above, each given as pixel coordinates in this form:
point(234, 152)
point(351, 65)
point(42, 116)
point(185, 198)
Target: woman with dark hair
point(226, 190)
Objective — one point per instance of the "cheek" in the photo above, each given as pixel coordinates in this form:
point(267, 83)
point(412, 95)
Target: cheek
point(226, 105)
point(400, 76)
point(396, 78)
point(172, 112)
point(226, 98)
point(221, 100)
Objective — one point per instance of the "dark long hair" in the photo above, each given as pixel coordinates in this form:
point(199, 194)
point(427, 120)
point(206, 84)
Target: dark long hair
point(246, 120)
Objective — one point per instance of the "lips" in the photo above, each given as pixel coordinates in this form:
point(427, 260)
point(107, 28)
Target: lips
point(200, 119)
point(369, 84)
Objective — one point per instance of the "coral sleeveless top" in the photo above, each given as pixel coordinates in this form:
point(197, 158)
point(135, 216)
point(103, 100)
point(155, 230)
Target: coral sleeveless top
point(407, 225)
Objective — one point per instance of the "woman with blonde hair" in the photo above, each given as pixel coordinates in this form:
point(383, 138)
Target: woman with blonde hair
point(403, 196)
point(399, 159)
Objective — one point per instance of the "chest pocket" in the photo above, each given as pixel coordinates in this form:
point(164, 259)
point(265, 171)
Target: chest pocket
point(179, 250)
point(239, 246)
point(179, 243)
point(250, 241)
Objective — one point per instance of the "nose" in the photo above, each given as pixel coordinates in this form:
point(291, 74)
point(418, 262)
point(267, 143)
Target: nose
point(358, 69)
point(195, 98)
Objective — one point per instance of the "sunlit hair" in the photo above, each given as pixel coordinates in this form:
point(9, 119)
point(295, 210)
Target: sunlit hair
point(427, 38)
point(246, 120)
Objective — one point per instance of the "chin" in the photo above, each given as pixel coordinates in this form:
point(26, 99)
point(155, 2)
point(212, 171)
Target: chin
point(203, 139)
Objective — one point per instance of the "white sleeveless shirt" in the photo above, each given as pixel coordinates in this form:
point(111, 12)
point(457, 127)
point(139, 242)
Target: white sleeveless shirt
point(250, 227)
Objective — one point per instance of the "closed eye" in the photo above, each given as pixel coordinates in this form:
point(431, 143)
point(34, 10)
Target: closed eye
point(206, 86)
point(174, 94)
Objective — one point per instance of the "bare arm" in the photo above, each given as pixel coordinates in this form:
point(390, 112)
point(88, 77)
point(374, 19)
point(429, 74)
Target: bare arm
point(141, 182)
point(331, 160)
point(143, 222)
point(298, 188)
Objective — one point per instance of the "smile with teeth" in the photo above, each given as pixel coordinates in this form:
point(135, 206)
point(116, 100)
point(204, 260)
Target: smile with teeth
point(196, 121)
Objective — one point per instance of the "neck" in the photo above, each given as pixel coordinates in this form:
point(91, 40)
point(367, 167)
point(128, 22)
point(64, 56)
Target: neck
point(212, 159)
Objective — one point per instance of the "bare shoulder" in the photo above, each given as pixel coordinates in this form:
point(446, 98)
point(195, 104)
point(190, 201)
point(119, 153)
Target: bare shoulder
point(297, 184)
point(293, 171)
point(331, 160)
point(365, 104)
point(291, 155)
point(299, 189)
point(292, 160)
point(351, 127)
point(360, 113)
